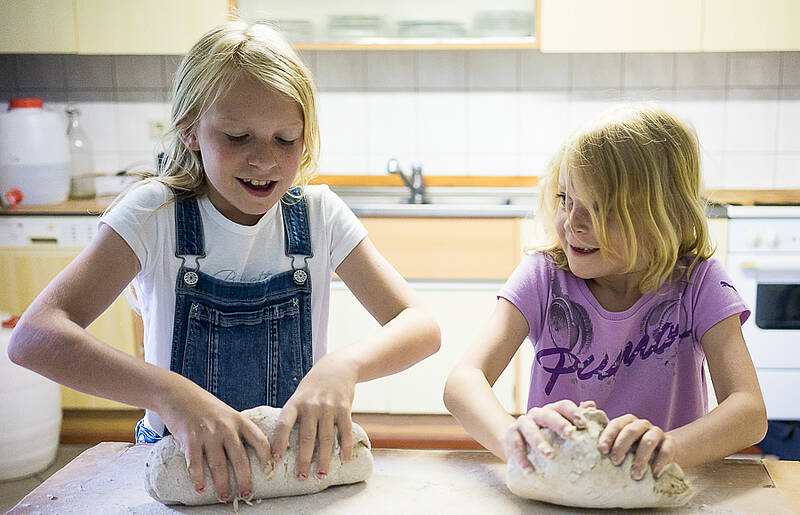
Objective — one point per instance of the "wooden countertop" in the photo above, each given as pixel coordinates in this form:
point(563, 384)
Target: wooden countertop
point(108, 478)
point(95, 206)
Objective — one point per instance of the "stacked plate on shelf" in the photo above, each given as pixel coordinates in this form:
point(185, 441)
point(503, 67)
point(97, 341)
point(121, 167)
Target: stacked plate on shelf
point(503, 23)
point(347, 27)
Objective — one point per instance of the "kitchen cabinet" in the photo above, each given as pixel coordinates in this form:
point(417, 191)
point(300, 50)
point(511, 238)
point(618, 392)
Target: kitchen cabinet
point(674, 26)
point(449, 248)
point(460, 308)
point(718, 229)
point(456, 266)
point(27, 270)
point(413, 24)
point(35, 27)
point(144, 26)
point(751, 25)
point(106, 26)
point(621, 26)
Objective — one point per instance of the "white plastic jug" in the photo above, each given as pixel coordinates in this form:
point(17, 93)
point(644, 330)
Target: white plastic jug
point(30, 417)
point(34, 153)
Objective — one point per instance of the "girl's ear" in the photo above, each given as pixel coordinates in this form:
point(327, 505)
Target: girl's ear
point(189, 139)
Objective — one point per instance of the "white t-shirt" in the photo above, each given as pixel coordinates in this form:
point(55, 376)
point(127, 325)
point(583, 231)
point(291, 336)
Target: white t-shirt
point(233, 253)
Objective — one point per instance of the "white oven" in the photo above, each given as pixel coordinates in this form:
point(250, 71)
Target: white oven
point(764, 264)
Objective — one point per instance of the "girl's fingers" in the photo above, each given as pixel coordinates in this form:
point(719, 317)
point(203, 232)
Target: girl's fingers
point(568, 410)
point(609, 435)
point(345, 425)
point(193, 451)
point(533, 436)
point(218, 465)
point(627, 436)
point(644, 451)
point(516, 449)
point(307, 438)
point(283, 427)
point(325, 437)
point(235, 451)
point(260, 444)
point(665, 455)
point(555, 416)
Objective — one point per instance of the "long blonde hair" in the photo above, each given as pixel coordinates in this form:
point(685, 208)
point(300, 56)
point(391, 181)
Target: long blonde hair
point(206, 73)
point(640, 166)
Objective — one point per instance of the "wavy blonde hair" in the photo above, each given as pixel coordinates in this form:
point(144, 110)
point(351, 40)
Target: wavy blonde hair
point(207, 72)
point(640, 168)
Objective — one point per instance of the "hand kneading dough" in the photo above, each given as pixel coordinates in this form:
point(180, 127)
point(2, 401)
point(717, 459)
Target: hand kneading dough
point(577, 474)
point(167, 478)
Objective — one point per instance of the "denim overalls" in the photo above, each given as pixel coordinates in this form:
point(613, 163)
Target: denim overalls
point(248, 343)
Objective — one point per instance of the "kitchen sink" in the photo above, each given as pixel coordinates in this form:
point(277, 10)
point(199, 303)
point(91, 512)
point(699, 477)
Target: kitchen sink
point(442, 202)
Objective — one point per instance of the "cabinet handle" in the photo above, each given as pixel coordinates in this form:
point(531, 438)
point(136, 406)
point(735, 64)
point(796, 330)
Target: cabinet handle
point(40, 240)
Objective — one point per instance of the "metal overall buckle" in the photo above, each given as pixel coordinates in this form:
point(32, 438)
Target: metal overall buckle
point(300, 276)
point(190, 277)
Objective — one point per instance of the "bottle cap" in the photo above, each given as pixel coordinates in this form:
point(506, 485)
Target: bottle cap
point(13, 197)
point(18, 103)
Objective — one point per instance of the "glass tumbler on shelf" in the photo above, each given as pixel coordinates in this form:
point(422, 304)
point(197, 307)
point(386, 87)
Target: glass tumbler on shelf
point(81, 160)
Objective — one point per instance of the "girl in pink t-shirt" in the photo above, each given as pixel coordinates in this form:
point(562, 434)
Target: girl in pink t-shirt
point(623, 306)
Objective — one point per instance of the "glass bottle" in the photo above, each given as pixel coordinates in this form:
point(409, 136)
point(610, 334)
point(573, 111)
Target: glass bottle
point(81, 160)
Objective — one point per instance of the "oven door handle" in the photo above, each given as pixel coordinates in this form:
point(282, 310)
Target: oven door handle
point(772, 265)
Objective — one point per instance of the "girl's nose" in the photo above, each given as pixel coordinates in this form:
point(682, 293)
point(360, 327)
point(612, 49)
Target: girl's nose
point(578, 220)
point(262, 158)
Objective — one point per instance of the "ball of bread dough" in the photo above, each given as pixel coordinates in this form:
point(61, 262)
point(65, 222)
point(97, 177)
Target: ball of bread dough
point(167, 477)
point(577, 474)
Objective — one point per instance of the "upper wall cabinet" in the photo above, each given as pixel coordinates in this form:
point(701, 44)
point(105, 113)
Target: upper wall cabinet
point(106, 26)
point(621, 26)
point(751, 25)
point(669, 25)
point(384, 24)
point(34, 27)
point(145, 26)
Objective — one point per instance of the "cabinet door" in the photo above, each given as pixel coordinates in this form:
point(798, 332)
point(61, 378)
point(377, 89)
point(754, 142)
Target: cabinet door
point(28, 270)
point(460, 308)
point(455, 248)
point(751, 25)
point(145, 26)
point(621, 26)
point(37, 27)
point(718, 228)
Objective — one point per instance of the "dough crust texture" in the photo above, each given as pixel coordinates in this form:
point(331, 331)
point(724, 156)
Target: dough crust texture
point(577, 474)
point(166, 476)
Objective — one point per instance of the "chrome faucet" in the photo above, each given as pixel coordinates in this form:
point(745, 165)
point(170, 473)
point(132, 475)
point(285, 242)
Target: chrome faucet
point(416, 184)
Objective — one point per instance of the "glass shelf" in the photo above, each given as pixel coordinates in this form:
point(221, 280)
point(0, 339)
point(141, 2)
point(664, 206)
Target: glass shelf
point(388, 25)
point(423, 43)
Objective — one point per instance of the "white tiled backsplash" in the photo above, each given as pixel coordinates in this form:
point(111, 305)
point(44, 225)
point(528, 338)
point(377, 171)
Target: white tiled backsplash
point(479, 112)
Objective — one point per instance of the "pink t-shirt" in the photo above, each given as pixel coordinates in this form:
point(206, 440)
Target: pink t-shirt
point(646, 360)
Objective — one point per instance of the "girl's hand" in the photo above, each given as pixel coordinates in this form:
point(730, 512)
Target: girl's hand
point(323, 399)
point(204, 425)
point(559, 416)
point(622, 432)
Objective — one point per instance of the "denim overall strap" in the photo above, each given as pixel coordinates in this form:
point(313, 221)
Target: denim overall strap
point(296, 231)
point(246, 342)
point(189, 236)
point(297, 235)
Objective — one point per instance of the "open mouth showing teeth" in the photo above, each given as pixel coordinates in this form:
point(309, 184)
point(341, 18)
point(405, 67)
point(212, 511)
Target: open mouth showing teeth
point(583, 250)
point(256, 185)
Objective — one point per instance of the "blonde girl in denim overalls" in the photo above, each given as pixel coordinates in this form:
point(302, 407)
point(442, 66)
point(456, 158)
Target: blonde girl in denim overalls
point(231, 254)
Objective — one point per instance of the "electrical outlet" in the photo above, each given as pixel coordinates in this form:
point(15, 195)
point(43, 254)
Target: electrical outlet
point(157, 129)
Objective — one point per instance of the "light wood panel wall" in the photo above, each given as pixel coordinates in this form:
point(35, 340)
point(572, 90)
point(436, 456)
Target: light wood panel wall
point(27, 270)
point(448, 248)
